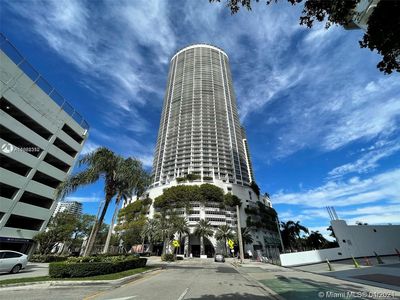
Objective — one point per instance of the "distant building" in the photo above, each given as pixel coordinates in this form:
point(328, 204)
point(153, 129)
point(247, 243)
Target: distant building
point(363, 11)
point(41, 136)
point(72, 207)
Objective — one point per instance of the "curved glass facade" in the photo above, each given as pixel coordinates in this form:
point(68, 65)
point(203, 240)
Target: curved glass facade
point(200, 131)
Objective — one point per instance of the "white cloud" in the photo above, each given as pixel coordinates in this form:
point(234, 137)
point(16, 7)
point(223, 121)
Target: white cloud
point(369, 160)
point(384, 186)
point(88, 147)
point(107, 45)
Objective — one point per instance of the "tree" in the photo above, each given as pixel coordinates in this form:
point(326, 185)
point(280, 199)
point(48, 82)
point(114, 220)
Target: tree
point(382, 35)
point(132, 232)
point(255, 188)
point(316, 240)
point(224, 232)
point(150, 232)
point(178, 197)
point(203, 229)
point(82, 230)
point(59, 230)
point(232, 200)
point(181, 228)
point(291, 234)
point(332, 234)
point(100, 163)
point(133, 180)
point(246, 235)
point(211, 193)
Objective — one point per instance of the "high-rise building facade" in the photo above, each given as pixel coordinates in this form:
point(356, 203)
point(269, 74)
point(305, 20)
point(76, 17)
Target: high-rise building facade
point(71, 207)
point(200, 131)
point(41, 136)
point(200, 134)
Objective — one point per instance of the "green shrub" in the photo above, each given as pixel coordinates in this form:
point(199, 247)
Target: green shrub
point(100, 258)
point(181, 179)
point(47, 258)
point(192, 177)
point(92, 268)
point(207, 178)
point(168, 257)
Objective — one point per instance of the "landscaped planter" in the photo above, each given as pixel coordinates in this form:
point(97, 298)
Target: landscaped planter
point(85, 269)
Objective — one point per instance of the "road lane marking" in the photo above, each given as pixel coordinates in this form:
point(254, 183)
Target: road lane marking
point(183, 294)
point(123, 298)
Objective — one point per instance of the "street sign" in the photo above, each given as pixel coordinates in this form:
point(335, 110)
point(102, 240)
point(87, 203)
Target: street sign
point(231, 244)
point(175, 243)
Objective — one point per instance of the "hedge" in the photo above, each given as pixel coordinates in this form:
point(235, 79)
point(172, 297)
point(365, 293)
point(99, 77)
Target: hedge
point(47, 258)
point(168, 257)
point(86, 269)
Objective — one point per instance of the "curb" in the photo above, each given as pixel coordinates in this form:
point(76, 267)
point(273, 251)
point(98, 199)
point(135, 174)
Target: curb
point(267, 291)
point(50, 283)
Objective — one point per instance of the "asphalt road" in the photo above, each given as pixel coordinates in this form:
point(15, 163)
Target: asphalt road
point(185, 280)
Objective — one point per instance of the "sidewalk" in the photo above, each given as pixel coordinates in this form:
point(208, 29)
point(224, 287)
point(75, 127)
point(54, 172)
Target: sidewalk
point(289, 284)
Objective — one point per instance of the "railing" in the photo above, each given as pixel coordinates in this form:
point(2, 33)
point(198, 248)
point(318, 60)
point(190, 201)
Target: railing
point(11, 51)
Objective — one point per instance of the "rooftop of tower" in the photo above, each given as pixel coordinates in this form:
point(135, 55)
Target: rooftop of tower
point(200, 45)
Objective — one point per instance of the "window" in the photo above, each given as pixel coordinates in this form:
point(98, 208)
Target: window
point(11, 255)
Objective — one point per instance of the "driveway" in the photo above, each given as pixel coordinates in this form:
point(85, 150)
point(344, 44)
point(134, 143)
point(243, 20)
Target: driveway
point(31, 270)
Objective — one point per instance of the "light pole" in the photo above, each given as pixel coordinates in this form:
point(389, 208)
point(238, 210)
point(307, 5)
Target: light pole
point(280, 236)
point(239, 235)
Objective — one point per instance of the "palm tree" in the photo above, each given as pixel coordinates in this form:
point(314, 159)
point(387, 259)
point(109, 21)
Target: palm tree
point(150, 232)
point(133, 180)
point(165, 228)
point(246, 235)
point(203, 230)
point(181, 227)
point(224, 232)
point(291, 233)
point(101, 163)
point(316, 240)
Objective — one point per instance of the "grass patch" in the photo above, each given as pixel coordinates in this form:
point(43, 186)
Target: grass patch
point(112, 276)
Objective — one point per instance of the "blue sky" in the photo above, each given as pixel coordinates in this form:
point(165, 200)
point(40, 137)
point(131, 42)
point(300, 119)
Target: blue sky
point(322, 121)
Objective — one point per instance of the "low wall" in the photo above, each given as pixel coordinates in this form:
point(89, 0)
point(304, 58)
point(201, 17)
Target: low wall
point(354, 240)
point(312, 257)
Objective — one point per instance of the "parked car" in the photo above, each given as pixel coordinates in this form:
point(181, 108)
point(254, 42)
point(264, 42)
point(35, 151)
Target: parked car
point(12, 261)
point(219, 258)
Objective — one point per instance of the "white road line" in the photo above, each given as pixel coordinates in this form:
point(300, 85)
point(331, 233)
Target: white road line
point(123, 298)
point(183, 294)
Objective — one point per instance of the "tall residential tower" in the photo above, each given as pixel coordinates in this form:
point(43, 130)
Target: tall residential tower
point(200, 131)
point(200, 134)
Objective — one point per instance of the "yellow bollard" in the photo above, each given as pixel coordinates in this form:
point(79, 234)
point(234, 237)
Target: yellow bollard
point(356, 265)
point(329, 265)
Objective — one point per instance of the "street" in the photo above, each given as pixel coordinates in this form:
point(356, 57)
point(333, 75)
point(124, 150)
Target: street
point(197, 279)
point(184, 280)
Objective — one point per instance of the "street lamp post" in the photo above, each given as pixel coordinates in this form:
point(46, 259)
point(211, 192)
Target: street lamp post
point(239, 235)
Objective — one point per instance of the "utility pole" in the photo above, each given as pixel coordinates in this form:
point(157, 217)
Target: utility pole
point(239, 235)
point(92, 232)
point(280, 236)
